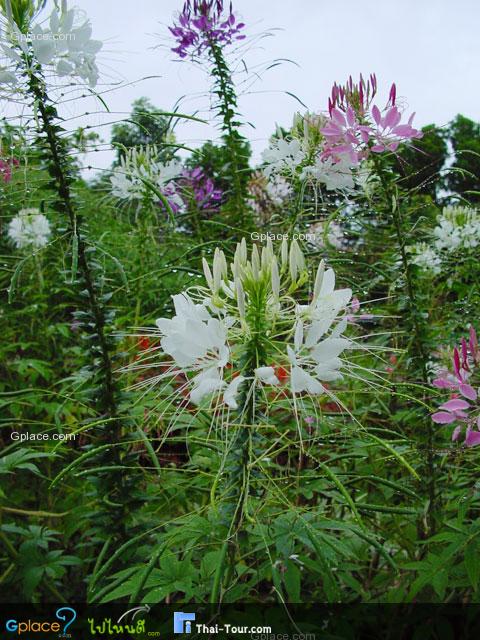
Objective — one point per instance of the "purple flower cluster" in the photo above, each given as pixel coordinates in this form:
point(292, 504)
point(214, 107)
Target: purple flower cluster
point(465, 364)
point(205, 194)
point(6, 166)
point(355, 128)
point(203, 23)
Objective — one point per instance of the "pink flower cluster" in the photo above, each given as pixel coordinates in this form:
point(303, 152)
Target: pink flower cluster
point(463, 405)
point(355, 128)
point(202, 24)
point(6, 168)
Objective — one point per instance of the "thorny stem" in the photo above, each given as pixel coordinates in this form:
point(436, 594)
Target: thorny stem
point(64, 193)
point(112, 487)
point(243, 448)
point(226, 95)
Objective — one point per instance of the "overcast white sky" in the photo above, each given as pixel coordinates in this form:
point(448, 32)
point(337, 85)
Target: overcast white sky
point(428, 47)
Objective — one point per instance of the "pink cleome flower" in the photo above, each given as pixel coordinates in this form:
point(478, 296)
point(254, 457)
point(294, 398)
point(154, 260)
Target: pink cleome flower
point(356, 128)
point(465, 410)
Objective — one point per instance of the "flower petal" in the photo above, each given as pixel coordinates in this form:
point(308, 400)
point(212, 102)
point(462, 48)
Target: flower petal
point(467, 391)
point(442, 417)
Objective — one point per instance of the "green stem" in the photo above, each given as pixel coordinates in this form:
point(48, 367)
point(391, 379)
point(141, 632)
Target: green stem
point(421, 356)
point(228, 109)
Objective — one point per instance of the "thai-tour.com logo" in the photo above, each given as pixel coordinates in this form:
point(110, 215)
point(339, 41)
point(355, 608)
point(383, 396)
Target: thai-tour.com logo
point(182, 622)
point(185, 623)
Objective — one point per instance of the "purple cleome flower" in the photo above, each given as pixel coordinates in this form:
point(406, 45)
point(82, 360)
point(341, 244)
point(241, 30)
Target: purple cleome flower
point(202, 24)
point(205, 194)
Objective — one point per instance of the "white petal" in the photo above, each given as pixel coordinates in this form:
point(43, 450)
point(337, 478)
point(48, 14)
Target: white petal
point(303, 381)
point(329, 348)
point(267, 375)
point(328, 283)
point(206, 383)
point(229, 397)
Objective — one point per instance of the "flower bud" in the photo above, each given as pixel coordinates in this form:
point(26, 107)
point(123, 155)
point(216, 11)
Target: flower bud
point(275, 279)
point(255, 262)
point(208, 274)
point(240, 298)
point(284, 252)
point(318, 280)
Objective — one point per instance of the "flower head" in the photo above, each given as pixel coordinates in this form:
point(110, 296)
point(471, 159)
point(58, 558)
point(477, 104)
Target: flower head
point(357, 127)
point(6, 165)
point(65, 45)
point(29, 228)
point(205, 194)
point(283, 156)
point(139, 169)
point(462, 379)
point(203, 24)
point(250, 330)
point(457, 228)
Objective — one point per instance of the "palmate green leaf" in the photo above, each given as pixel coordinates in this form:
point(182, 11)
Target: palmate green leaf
point(292, 581)
point(472, 564)
point(329, 583)
point(21, 459)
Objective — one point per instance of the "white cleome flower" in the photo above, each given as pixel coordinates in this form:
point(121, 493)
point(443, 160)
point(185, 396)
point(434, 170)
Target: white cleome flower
point(336, 175)
point(318, 342)
point(65, 45)
point(29, 228)
point(238, 340)
point(457, 227)
point(197, 343)
point(140, 165)
point(283, 156)
point(426, 258)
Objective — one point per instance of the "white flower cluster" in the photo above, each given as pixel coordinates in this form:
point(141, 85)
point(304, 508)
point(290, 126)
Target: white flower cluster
point(283, 156)
point(457, 227)
point(66, 45)
point(425, 257)
point(29, 228)
point(288, 157)
point(213, 328)
point(457, 230)
point(140, 165)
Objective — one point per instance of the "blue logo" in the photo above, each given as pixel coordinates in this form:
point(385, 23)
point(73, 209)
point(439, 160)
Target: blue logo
point(182, 622)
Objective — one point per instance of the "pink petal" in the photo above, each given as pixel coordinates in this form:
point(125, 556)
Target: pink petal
point(467, 391)
point(454, 405)
point(456, 362)
point(377, 116)
point(392, 118)
point(442, 417)
point(338, 118)
point(456, 433)
point(442, 383)
point(472, 438)
point(403, 130)
point(351, 117)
